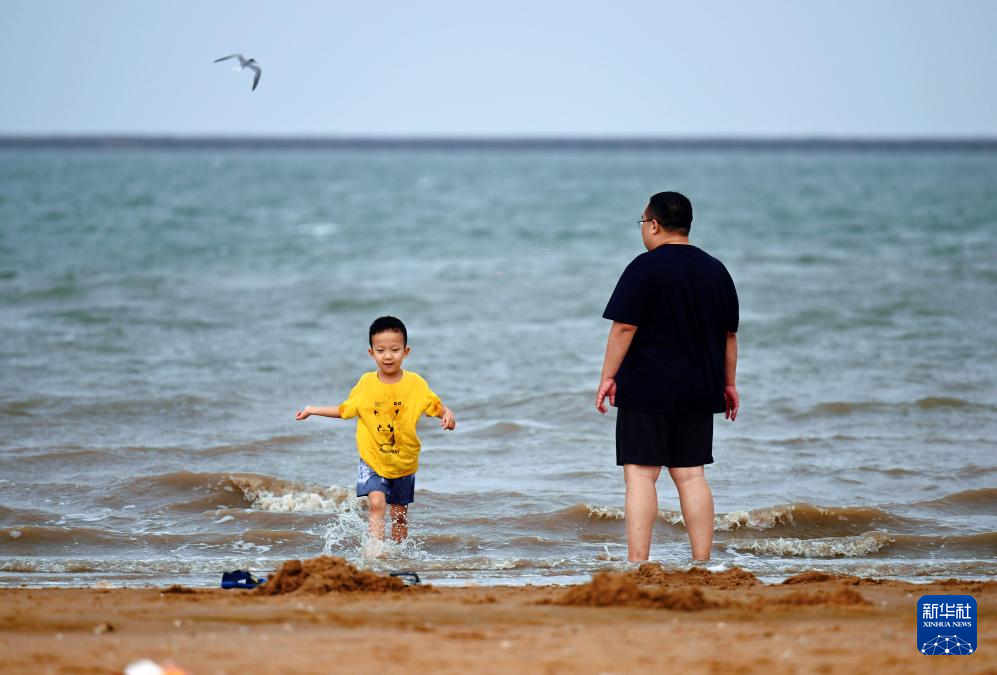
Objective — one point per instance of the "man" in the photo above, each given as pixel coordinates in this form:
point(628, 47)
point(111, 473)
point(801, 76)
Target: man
point(670, 365)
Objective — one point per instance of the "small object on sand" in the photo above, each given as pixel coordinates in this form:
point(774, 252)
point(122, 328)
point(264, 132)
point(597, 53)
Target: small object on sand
point(243, 64)
point(102, 628)
point(410, 578)
point(241, 579)
point(150, 667)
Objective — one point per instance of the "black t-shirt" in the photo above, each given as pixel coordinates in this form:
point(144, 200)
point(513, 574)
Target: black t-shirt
point(684, 303)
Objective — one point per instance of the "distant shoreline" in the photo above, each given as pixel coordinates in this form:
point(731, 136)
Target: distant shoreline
point(206, 142)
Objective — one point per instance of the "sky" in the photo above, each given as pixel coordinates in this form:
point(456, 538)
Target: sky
point(765, 68)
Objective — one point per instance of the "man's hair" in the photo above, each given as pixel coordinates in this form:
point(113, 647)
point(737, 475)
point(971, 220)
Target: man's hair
point(385, 324)
point(672, 210)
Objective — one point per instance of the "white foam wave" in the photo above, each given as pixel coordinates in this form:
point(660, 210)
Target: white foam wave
point(278, 496)
point(830, 547)
point(758, 519)
point(606, 554)
point(153, 566)
point(249, 546)
point(604, 512)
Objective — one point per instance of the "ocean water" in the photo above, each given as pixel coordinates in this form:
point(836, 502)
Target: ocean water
point(165, 312)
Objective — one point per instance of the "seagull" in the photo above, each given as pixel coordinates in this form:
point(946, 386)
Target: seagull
point(243, 64)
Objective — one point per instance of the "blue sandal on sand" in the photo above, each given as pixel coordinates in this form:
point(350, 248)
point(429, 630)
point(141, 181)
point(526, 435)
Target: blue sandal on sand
point(241, 579)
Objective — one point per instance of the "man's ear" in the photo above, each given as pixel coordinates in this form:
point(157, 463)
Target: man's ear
point(371, 352)
point(407, 350)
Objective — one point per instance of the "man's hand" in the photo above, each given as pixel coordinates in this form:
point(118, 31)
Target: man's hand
point(607, 388)
point(447, 420)
point(303, 414)
point(733, 402)
point(617, 345)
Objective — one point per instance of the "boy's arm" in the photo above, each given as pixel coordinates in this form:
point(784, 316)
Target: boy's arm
point(327, 411)
point(447, 420)
point(731, 398)
point(620, 337)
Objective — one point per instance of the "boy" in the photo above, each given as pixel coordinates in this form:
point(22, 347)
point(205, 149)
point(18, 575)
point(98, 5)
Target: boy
point(389, 402)
point(670, 365)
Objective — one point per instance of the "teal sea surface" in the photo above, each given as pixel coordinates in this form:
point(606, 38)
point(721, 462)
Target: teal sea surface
point(165, 312)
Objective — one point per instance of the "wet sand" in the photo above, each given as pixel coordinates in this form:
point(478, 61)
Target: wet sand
point(648, 621)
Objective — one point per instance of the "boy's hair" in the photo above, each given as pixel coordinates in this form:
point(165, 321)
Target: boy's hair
point(672, 210)
point(385, 324)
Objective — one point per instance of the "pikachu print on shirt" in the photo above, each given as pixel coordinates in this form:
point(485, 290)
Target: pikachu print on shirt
point(386, 413)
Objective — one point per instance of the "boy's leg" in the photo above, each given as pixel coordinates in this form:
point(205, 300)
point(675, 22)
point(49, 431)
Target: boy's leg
point(641, 508)
point(375, 516)
point(399, 522)
point(696, 500)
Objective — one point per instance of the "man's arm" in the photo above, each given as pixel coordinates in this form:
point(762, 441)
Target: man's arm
point(620, 337)
point(332, 411)
point(730, 378)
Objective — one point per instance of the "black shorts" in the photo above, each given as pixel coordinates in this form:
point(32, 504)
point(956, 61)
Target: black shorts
point(663, 439)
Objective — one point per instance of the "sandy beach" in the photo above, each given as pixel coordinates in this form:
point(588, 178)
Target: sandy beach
point(647, 620)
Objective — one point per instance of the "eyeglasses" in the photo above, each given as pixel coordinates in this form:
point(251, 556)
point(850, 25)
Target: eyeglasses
point(641, 221)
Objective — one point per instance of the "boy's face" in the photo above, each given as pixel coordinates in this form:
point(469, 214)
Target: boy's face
point(388, 349)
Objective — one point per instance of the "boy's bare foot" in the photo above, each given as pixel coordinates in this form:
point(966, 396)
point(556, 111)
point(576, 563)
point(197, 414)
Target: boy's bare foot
point(373, 549)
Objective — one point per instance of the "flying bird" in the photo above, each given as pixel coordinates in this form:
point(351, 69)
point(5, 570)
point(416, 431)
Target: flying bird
point(243, 64)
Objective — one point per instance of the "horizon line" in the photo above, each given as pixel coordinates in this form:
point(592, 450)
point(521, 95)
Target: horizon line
point(496, 141)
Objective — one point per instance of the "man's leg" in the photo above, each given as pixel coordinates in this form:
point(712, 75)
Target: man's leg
point(399, 522)
point(697, 508)
point(375, 516)
point(641, 508)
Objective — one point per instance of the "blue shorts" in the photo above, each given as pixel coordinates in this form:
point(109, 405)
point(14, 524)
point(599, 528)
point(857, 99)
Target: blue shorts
point(396, 490)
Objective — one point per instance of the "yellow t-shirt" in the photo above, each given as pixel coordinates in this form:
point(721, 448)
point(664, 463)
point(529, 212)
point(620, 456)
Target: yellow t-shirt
point(389, 413)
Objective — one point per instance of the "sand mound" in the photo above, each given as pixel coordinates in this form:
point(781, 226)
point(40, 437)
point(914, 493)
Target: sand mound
point(326, 574)
point(177, 588)
point(609, 589)
point(839, 596)
point(810, 578)
point(967, 585)
point(653, 574)
point(815, 577)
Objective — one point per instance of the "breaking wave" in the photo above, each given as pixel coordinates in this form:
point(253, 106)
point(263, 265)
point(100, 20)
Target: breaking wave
point(798, 518)
point(197, 492)
point(830, 547)
point(872, 542)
